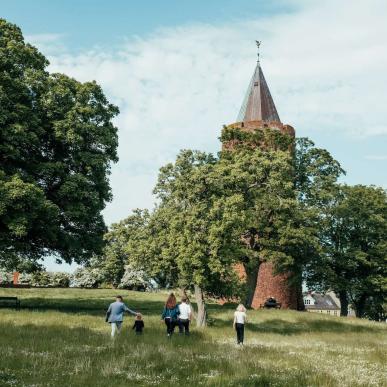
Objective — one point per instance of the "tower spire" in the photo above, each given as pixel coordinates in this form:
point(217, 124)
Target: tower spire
point(258, 104)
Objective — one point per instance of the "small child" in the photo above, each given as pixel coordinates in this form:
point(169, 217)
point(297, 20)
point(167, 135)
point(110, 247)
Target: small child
point(240, 319)
point(138, 325)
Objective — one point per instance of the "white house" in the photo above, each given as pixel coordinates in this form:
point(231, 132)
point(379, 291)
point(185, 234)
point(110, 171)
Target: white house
point(321, 303)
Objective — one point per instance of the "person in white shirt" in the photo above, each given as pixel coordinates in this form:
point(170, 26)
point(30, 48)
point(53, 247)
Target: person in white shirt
point(240, 319)
point(184, 316)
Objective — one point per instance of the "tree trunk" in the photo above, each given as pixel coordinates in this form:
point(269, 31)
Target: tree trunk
point(251, 284)
point(201, 319)
point(300, 298)
point(183, 294)
point(343, 296)
point(359, 305)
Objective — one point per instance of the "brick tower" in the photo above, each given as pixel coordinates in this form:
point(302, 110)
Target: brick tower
point(258, 111)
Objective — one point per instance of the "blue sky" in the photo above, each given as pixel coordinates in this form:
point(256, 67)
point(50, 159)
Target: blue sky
point(179, 69)
point(86, 23)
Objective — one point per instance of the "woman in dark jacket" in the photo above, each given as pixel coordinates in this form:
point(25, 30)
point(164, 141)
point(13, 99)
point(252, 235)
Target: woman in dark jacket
point(170, 314)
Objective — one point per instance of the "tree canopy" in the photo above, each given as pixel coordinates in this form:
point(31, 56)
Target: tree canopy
point(353, 263)
point(57, 141)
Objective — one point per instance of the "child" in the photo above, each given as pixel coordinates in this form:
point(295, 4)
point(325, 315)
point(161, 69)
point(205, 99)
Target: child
point(185, 316)
point(115, 315)
point(240, 319)
point(138, 325)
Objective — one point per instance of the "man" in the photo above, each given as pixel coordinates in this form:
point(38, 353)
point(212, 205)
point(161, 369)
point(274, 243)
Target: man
point(115, 315)
point(184, 316)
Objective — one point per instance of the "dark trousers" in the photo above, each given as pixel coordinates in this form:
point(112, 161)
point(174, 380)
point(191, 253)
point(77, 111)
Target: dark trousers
point(170, 325)
point(184, 326)
point(240, 330)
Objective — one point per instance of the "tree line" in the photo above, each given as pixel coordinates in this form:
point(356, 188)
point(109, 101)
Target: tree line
point(281, 202)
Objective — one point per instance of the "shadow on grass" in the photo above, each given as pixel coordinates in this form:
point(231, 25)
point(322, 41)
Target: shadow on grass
point(98, 306)
point(94, 307)
point(284, 327)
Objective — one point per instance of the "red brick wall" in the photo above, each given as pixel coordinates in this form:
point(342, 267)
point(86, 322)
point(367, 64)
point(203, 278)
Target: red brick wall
point(15, 278)
point(252, 125)
point(277, 286)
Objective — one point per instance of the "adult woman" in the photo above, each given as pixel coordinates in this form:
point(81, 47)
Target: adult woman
point(170, 314)
point(239, 323)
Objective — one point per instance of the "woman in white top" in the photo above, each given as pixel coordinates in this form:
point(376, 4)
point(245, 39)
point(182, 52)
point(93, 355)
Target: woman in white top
point(240, 319)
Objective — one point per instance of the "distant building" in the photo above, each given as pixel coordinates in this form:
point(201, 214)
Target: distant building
point(321, 303)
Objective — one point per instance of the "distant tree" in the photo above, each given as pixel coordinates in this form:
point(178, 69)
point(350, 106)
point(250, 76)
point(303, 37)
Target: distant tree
point(355, 249)
point(123, 246)
point(46, 279)
point(135, 279)
point(57, 141)
point(87, 277)
point(5, 276)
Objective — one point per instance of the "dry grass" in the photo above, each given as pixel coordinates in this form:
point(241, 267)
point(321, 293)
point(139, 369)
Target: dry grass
point(59, 338)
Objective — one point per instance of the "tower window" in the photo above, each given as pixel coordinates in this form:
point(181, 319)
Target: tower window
point(255, 83)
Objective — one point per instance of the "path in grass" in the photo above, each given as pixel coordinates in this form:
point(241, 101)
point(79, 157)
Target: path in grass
point(59, 338)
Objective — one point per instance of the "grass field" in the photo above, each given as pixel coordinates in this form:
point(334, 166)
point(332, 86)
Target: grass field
point(60, 338)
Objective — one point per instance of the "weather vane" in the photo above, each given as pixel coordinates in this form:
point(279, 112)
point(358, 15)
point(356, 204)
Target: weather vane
point(258, 42)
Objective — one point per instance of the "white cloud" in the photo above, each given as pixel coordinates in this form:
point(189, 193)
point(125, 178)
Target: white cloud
point(49, 44)
point(325, 65)
point(376, 157)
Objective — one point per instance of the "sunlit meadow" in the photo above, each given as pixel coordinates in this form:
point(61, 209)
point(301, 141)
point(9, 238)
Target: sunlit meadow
point(60, 338)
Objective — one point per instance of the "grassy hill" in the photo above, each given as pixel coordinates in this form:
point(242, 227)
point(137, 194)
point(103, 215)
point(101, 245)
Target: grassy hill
point(60, 338)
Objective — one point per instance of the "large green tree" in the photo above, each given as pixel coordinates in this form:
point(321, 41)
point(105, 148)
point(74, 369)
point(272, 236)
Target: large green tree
point(57, 141)
point(353, 263)
point(201, 239)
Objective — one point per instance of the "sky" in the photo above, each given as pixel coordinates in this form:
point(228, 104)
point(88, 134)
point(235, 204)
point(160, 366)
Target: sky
point(178, 70)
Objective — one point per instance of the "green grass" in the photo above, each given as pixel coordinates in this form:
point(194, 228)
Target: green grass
point(60, 338)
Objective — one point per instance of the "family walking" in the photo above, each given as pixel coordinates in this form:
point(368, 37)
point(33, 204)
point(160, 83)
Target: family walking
point(173, 315)
point(115, 316)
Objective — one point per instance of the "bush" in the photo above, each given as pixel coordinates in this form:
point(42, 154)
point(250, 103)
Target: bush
point(135, 279)
point(87, 277)
point(5, 277)
point(60, 280)
point(25, 278)
point(48, 279)
point(38, 278)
